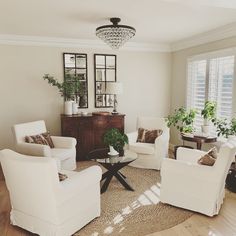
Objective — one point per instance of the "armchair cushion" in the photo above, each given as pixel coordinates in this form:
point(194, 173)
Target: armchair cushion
point(61, 153)
point(143, 148)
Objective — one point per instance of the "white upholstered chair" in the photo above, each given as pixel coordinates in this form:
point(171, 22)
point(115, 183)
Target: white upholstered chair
point(200, 188)
point(41, 204)
point(150, 155)
point(64, 151)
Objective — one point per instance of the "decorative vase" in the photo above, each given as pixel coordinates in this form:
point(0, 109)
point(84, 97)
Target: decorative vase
point(75, 108)
point(68, 107)
point(113, 152)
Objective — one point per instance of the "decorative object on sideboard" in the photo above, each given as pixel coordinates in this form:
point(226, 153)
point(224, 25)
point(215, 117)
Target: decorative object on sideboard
point(75, 66)
point(209, 114)
point(114, 88)
point(115, 35)
point(104, 73)
point(67, 89)
point(113, 137)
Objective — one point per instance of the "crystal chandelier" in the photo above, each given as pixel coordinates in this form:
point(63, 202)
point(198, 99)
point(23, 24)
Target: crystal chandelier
point(115, 35)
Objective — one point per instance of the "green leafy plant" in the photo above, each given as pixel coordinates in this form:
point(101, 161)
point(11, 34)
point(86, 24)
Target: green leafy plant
point(182, 120)
point(209, 111)
point(224, 127)
point(70, 88)
point(113, 137)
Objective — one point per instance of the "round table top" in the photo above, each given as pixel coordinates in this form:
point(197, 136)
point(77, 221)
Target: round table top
point(195, 138)
point(129, 156)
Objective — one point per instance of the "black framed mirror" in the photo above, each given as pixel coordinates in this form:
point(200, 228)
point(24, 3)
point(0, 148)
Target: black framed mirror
point(105, 72)
point(75, 66)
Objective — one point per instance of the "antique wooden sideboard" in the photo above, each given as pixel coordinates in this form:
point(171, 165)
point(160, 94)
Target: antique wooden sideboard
point(89, 130)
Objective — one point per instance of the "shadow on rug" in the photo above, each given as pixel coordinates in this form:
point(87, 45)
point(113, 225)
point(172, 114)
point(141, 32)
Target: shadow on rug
point(135, 213)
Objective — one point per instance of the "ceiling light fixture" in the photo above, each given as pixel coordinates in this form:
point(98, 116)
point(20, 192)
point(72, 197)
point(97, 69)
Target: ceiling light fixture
point(115, 35)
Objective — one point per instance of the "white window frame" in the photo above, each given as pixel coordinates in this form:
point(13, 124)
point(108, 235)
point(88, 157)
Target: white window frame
point(208, 56)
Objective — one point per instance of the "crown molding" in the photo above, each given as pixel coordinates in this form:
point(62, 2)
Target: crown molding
point(219, 33)
point(24, 40)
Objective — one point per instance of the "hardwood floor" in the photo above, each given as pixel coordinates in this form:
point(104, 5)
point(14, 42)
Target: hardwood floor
point(198, 225)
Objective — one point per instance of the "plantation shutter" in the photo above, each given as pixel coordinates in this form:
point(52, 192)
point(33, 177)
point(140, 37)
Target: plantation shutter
point(196, 91)
point(221, 76)
point(213, 80)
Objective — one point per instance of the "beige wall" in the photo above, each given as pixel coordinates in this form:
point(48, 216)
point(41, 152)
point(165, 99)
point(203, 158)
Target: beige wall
point(179, 80)
point(25, 96)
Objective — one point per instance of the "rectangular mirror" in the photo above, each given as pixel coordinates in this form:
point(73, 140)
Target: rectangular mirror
point(105, 72)
point(75, 66)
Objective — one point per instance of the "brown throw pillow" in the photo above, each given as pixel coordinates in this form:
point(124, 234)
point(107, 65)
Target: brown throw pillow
point(209, 158)
point(140, 137)
point(62, 176)
point(44, 139)
point(148, 136)
point(38, 139)
point(47, 136)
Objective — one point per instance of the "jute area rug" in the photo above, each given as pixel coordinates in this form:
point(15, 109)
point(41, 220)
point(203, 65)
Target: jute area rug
point(137, 213)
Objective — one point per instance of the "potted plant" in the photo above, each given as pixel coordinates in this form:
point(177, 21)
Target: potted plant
point(182, 120)
point(70, 89)
point(115, 139)
point(209, 114)
point(225, 128)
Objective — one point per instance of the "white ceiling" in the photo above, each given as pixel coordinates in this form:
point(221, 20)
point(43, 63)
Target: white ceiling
point(156, 21)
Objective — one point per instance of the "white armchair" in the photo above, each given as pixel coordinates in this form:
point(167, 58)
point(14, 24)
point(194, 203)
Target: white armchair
point(44, 205)
point(64, 151)
point(200, 188)
point(150, 155)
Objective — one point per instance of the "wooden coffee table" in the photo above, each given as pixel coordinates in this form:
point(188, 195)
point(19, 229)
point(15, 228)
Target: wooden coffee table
point(113, 166)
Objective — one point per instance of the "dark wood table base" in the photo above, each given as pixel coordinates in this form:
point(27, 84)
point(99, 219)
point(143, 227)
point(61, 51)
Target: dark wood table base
point(113, 170)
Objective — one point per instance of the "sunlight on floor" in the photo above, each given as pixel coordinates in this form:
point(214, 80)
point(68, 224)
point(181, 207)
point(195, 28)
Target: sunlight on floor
point(149, 197)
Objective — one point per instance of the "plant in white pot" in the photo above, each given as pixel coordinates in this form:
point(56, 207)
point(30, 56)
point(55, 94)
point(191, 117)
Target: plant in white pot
point(116, 141)
point(70, 89)
point(209, 114)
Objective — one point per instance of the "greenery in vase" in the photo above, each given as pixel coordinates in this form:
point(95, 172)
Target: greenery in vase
point(224, 127)
point(182, 120)
point(113, 137)
point(209, 111)
point(70, 88)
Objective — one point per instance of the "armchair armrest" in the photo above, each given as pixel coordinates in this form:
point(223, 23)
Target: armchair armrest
point(32, 149)
point(189, 155)
point(63, 142)
point(185, 168)
point(162, 143)
point(78, 181)
point(132, 137)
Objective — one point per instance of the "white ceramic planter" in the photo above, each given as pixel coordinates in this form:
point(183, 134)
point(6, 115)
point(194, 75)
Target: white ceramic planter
point(68, 107)
point(75, 109)
point(205, 129)
point(113, 152)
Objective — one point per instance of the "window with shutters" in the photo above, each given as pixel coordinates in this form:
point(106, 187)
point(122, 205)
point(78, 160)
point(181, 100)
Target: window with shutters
point(212, 77)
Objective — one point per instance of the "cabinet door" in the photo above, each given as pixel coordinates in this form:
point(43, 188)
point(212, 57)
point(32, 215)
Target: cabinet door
point(117, 122)
point(69, 127)
point(100, 127)
point(85, 137)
